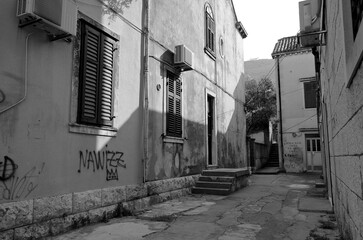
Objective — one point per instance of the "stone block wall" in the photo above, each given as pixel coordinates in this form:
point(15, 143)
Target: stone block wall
point(50, 216)
point(344, 111)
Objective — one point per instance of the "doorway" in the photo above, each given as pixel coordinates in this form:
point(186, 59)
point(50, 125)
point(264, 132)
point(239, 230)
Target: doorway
point(313, 152)
point(211, 128)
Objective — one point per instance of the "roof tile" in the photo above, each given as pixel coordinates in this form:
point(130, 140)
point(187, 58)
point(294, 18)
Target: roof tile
point(287, 45)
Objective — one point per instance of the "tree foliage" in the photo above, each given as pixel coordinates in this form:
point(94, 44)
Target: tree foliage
point(260, 104)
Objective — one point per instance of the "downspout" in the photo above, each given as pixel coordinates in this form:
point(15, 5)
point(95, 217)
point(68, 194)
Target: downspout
point(146, 87)
point(280, 116)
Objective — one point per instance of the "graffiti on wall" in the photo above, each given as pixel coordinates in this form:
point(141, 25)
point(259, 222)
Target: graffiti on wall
point(7, 168)
point(293, 156)
point(108, 161)
point(14, 187)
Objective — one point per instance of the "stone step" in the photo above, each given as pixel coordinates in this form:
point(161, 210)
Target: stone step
point(233, 172)
point(214, 191)
point(216, 179)
point(221, 185)
point(272, 164)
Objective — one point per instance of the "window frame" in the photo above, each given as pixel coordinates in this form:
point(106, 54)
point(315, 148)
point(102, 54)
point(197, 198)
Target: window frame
point(75, 126)
point(209, 18)
point(353, 46)
point(167, 137)
point(304, 94)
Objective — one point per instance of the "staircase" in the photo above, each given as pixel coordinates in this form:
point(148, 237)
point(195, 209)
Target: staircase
point(222, 181)
point(273, 160)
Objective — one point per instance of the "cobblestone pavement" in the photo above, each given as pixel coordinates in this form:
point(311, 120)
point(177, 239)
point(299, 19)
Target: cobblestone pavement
point(266, 209)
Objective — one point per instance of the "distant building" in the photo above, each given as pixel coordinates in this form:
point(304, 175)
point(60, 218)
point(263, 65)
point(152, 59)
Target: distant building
point(298, 136)
point(107, 120)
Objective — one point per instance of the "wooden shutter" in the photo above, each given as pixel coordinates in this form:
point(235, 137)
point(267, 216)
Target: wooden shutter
point(170, 117)
point(96, 77)
point(174, 106)
point(89, 74)
point(178, 107)
point(106, 82)
point(210, 32)
point(310, 94)
point(207, 24)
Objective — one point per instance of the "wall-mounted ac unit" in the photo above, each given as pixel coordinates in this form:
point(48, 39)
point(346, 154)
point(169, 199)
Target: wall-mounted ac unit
point(183, 58)
point(309, 12)
point(57, 17)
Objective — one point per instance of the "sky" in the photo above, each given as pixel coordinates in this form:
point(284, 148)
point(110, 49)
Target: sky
point(266, 21)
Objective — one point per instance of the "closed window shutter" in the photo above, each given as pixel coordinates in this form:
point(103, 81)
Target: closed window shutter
point(210, 32)
point(178, 108)
point(170, 116)
point(106, 82)
point(96, 77)
point(207, 31)
point(174, 106)
point(89, 76)
point(310, 94)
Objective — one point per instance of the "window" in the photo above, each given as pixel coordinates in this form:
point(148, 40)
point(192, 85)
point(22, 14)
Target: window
point(96, 70)
point(174, 106)
point(353, 37)
point(210, 29)
point(310, 94)
point(357, 15)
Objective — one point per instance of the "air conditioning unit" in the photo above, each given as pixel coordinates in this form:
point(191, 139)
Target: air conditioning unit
point(183, 58)
point(309, 12)
point(57, 17)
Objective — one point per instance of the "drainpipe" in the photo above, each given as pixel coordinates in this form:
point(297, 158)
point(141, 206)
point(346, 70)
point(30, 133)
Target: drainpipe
point(318, 98)
point(281, 148)
point(146, 87)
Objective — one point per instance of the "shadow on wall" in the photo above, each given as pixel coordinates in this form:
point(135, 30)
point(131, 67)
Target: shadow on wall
point(232, 143)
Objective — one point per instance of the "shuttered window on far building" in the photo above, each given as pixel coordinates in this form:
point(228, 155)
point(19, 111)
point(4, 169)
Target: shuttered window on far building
point(310, 94)
point(174, 106)
point(96, 77)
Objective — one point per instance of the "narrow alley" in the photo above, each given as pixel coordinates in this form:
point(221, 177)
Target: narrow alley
point(284, 207)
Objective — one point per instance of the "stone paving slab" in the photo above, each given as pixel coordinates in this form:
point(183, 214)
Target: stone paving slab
point(314, 204)
point(268, 170)
point(270, 208)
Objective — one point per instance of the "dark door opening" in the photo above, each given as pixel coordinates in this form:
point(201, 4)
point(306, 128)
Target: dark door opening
point(210, 127)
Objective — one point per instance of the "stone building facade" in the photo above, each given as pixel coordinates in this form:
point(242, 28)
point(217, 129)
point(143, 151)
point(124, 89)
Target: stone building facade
point(340, 114)
point(298, 138)
point(102, 122)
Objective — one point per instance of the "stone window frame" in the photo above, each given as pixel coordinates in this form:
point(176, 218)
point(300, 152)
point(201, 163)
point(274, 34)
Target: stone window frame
point(353, 46)
point(74, 125)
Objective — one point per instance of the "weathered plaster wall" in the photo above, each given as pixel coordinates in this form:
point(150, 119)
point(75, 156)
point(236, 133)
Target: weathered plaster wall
point(294, 115)
point(35, 136)
point(183, 23)
point(345, 128)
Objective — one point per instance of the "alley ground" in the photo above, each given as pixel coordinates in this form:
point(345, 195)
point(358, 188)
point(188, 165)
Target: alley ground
point(284, 207)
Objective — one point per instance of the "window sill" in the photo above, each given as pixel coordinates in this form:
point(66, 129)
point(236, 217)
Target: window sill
point(168, 139)
point(92, 130)
point(210, 53)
